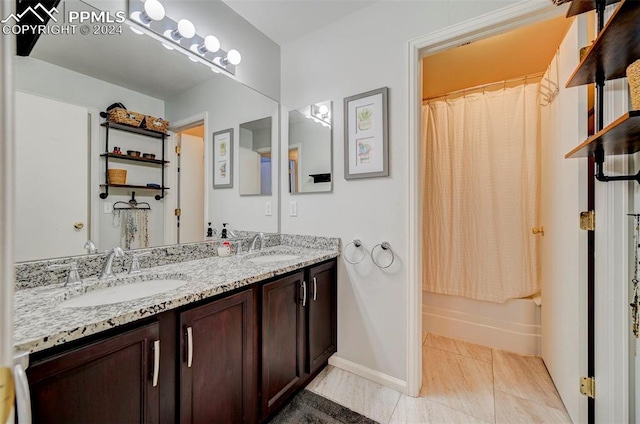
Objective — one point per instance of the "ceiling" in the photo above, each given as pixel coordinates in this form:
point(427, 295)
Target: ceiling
point(517, 53)
point(287, 20)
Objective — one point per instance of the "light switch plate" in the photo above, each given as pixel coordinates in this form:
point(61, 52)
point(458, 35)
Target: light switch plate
point(108, 207)
point(293, 208)
point(267, 208)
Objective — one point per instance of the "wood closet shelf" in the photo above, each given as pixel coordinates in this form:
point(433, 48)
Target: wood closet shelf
point(135, 130)
point(615, 48)
point(579, 7)
point(135, 158)
point(621, 137)
point(137, 187)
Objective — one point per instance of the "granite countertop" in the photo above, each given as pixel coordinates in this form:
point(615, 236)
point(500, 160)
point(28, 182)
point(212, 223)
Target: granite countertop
point(41, 323)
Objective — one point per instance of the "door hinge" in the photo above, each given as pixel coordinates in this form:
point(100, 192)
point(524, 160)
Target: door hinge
point(588, 386)
point(588, 220)
point(178, 150)
point(178, 212)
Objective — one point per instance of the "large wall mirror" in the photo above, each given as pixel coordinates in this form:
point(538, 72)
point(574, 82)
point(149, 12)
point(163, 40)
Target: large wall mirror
point(310, 149)
point(61, 89)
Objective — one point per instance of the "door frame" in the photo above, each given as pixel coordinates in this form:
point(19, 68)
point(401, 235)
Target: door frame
point(499, 21)
point(170, 233)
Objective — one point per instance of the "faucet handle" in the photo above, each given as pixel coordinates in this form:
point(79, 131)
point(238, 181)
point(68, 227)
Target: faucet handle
point(135, 262)
point(73, 276)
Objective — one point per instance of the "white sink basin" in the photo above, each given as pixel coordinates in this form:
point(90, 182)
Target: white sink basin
point(122, 293)
point(273, 258)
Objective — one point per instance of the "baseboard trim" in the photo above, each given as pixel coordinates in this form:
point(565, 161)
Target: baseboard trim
point(369, 374)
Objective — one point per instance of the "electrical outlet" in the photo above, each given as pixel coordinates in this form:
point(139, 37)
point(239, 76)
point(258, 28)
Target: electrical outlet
point(293, 208)
point(108, 207)
point(267, 208)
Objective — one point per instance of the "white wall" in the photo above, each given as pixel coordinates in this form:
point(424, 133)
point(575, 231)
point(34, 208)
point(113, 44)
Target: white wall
point(241, 104)
point(51, 81)
point(364, 51)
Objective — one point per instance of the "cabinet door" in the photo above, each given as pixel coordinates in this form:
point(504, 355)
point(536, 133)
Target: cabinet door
point(281, 340)
point(109, 381)
point(218, 382)
point(321, 322)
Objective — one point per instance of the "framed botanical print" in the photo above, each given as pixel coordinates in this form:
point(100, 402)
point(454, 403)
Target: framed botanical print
point(223, 159)
point(366, 140)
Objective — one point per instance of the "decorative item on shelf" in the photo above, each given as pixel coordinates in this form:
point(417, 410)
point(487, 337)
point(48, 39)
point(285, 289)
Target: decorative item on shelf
point(155, 124)
point(133, 153)
point(149, 155)
point(126, 117)
point(154, 185)
point(117, 176)
point(633, 76)
point(116, 150)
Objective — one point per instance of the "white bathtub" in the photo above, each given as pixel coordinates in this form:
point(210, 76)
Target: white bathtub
point(513, 325)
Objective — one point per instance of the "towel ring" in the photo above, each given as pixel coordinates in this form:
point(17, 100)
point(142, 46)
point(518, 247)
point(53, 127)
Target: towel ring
point(384, 246)
point(357, 244)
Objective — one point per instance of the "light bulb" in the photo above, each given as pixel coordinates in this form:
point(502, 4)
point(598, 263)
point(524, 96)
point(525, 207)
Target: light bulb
point(185, 29)
point(153, 11)
point(211, 44)
point(233, 57)
point(323, 110)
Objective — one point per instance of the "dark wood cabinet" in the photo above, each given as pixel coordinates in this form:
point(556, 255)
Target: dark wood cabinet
point(111, 381)
point(218, 364)
point(321, 321)
point(235, 359)
point(282, 319)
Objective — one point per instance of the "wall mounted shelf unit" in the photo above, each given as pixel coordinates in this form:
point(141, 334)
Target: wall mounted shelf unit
point(578, 7)
point(616, 47)
point(107, 155)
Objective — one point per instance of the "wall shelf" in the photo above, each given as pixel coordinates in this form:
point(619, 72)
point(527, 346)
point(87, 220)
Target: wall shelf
point(135, 158)
point(621, 137)
point(110, 155)
point(135, 130)
point(578, 7)
point(615, 48)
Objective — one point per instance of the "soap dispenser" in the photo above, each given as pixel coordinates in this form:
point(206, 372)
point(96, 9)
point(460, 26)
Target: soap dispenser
point(209, 232)
point(224, 230)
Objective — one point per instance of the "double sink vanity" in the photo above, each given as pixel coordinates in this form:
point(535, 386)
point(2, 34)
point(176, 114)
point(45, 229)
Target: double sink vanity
point(192, 337)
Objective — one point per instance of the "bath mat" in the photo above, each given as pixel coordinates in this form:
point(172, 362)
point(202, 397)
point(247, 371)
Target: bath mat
point(309, 408)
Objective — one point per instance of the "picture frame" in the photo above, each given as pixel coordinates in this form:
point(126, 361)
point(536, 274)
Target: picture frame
point(223, 158)
point(366, 135)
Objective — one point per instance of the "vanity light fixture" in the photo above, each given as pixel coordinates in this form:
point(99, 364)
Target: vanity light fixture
point(135, 30)
point(320, 113)
point(148, 17)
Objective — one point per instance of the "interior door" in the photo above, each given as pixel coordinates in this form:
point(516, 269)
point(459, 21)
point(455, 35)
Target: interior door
point(52, 138)
point(192, 226)
point(564, 245)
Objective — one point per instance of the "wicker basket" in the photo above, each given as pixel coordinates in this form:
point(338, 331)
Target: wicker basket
point(127, 117)
point(155, 124)
point(633, 76)
point(118, 176)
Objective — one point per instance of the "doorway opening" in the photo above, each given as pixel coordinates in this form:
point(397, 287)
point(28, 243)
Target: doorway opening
point(438, 313)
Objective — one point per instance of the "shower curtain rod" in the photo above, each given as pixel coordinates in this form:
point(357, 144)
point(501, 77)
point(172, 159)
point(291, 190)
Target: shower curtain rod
point(479, 87)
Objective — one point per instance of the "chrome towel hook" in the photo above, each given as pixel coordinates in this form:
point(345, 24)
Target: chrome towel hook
point(385, 246)
point(357, 244)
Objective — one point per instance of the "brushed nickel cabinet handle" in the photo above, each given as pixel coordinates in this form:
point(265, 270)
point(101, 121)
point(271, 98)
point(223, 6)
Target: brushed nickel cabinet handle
point(304, 294)
point(189, 346)
point(315, 289)
point(156, 362)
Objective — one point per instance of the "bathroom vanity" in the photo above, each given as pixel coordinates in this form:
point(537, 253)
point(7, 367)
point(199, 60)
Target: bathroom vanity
point(233, 344)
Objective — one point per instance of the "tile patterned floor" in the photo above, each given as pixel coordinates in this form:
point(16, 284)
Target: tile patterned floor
point(461, 383)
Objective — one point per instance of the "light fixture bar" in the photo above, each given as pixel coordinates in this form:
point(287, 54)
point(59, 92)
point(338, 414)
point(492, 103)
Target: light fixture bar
point(217, 60)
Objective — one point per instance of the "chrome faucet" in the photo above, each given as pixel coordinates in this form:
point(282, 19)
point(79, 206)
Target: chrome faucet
point(73, 276)
point(106, 270)
point(91, 247)
point(253, 242)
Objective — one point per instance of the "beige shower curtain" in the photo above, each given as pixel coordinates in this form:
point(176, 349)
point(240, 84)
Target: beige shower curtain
point(480, 194)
